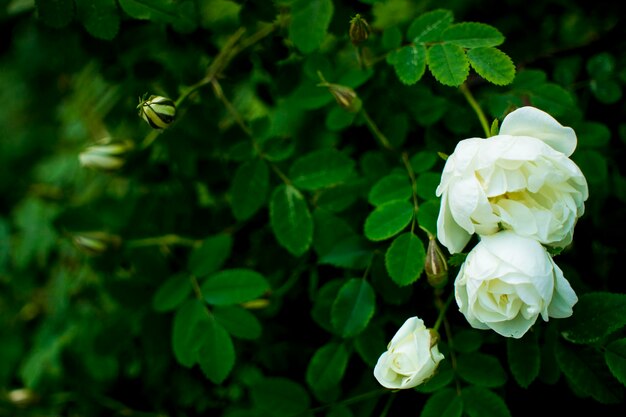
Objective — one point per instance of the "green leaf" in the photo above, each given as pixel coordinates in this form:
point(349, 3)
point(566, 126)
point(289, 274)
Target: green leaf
point(481, 369)
point(392, 38)
point(472, 35)
point(55, 13)
point(492, 64)
point(291, 220)
point(388, 219)
point(429, 26)
point(587, 370)
point(553, 99)
point(338, 119)
point(210, 255)
point(172, 293)
point(33, 218)
point(524, 358)
point(606, 91)
point(443, 403)
point(601, 66)
point(389, 188)
point(422, 161)
point(481, 402)
point(327, 367)
point(385, 287)
point(596, 315)
point(249, 188)
point(185, 331)
point(409, 63)
point(329, 230)
point(233, 286)
point(468, 340)
point(426, 184)
point(309, 22)
point(353, 308)
point(100, 17)
point(448, 64)
point(351, 253)
point(322, 168)
point(323, 303)
point(594, 165)
point(427, 215)
point(216, 356)
point(340, 197)
point(280, 396)
point(371, 343)
point(238, 321)
point(405, 259)
point(162, 11)
point(615, 356)
point(593, 135)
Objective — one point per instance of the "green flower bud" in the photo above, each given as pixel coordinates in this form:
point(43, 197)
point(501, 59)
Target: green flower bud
point(359, 30)
point(159, 112)
point(96, 243)
point(436, 267)
point(106, 154)
point(346, 97)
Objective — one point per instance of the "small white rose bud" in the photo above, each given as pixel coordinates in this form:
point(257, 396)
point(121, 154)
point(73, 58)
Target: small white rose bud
point(412, 356)
point(105, 155)
point(96, 242)
point(159, 112)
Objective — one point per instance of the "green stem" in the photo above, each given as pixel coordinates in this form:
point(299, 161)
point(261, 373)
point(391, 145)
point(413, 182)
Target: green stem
point(479, 111)
point(376, 131)
point(409, 170)
point(388, 405)
point(443, 307)
point(162, 240)
point(219, 64)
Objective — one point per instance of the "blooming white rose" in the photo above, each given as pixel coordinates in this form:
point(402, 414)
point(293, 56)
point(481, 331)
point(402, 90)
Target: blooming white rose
point(507, 281)
point(411, 358)
point(520, 180)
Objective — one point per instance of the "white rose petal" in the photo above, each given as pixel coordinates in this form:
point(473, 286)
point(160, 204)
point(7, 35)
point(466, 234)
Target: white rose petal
point(411, 357)
point(520, 180)
point(507, 281)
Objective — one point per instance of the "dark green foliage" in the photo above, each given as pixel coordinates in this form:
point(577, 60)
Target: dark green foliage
point(259, 253)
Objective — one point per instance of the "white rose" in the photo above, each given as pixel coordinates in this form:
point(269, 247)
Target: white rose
point(507, 281)
point(411, 358)
point(520, 180)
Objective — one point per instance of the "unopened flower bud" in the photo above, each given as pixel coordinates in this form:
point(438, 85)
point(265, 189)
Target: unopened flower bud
point(436, 267)
point(105, 155)
point(96, 243)
point(22, 397)
point(359, 30)
point(159, 112)
point(345, 96)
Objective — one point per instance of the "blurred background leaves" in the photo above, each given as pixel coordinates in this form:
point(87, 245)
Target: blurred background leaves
point(255, 257)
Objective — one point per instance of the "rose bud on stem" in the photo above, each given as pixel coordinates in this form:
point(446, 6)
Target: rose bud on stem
point(345, 96)
point(359, 30)
point(436, 267)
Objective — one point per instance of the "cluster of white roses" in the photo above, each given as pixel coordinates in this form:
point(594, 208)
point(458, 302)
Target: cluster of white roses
point(519, 192)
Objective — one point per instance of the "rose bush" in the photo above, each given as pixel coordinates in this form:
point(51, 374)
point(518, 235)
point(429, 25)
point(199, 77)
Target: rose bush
point(508, 281)
point(520, 180)
point(411, 358)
